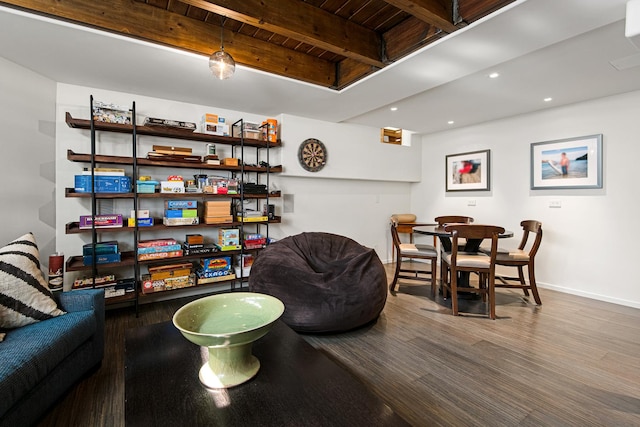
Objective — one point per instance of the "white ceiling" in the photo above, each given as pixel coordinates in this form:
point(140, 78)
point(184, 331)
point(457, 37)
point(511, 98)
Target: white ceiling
point(541, 48)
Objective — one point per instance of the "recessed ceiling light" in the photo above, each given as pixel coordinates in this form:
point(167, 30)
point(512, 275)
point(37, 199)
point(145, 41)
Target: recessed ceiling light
point(394, 108)
point(494, 75)
point(548, 99)
point(450, 122)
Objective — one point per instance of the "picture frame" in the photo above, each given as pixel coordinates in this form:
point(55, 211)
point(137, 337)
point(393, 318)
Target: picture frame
point(468, 171)
point(571, 163)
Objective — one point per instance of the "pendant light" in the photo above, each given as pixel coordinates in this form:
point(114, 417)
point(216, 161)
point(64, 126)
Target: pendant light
point(221, 63)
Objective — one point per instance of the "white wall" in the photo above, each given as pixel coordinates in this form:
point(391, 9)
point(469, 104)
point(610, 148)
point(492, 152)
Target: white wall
point(354, 152)
point(27, 115)
point(589, 243)
point(356, 209)
point(329, 201)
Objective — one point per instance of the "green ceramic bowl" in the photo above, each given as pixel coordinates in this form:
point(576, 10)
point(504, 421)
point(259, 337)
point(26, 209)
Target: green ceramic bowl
point(228, 324)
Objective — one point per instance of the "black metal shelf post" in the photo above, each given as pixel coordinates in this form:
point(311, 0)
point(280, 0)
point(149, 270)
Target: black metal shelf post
point(241, 186)
point(94, 200)
point(137, 283)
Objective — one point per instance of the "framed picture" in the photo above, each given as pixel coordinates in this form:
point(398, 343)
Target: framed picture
point(567, 163)
point(468, 171)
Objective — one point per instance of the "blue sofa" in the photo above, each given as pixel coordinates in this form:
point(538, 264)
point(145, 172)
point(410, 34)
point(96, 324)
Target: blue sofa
point(41, 361)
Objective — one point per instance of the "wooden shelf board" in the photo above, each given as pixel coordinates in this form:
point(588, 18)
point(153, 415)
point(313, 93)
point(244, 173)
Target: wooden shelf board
point(121, 160)
point(127, 297)
point(70, 192)
point(151, 294)
point(189, 257)
point(166, 132)
point(75, 263)
point(74, 227)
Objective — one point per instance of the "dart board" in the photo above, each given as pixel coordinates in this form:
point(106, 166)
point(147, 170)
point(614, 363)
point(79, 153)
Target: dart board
point(312, 155)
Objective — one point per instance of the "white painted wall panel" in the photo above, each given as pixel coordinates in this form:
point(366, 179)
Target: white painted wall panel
point(27, 120)
point(355, 152)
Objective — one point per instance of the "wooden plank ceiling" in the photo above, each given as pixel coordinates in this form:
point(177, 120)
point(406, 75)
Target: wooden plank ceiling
point(331, 43)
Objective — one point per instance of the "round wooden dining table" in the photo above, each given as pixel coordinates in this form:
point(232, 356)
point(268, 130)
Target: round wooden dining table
point(472, 245)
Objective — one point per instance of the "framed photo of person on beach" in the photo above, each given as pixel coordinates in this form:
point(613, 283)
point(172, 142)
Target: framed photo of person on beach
point(468, 171)
point(567, 163)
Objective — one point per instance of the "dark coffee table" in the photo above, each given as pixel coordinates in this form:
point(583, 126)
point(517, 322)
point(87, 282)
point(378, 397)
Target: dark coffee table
point(297, 385)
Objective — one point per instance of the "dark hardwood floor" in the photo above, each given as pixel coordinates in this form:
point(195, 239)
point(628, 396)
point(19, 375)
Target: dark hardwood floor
point(570, 362)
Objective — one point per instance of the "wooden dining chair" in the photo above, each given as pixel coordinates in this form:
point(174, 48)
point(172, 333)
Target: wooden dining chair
point(409, 252)
point(522, 257)
point(445, 243)
point(459, 261)
point(406, 222)
point(453, 219)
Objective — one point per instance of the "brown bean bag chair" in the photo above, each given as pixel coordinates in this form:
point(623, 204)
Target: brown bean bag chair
point(328, 283)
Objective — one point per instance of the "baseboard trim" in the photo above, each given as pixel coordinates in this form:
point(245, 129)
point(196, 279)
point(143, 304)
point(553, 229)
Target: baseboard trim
point(590, 295)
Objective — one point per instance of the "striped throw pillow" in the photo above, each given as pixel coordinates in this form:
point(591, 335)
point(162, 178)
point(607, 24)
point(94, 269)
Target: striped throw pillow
point(25, 297)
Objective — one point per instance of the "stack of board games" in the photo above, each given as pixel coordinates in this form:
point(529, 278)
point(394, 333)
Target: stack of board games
point(89, 282)
point(168, 277)
point(214, 124)
point(249, 215)
point(181, 212)
point(175, 154)
point(120, 288)
point(254, 241)
point(211, 159)
point(174, 124)
point(105, 252)
point(111, 113)
point(158, 249)
point(102, 184)
point(112, 287)
point(144, 218)
point(194, 245)
point(217, 212)
point(229, 239)
point(101, 221)
point(214, 270)
point(172, 185)
point(252, 188)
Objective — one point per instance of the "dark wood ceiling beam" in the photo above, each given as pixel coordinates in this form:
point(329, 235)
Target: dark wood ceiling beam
point(472, 10)
point(301, 21)
point(438, 13)
point(409, 35)
point(350, 71)
point(137, 20)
